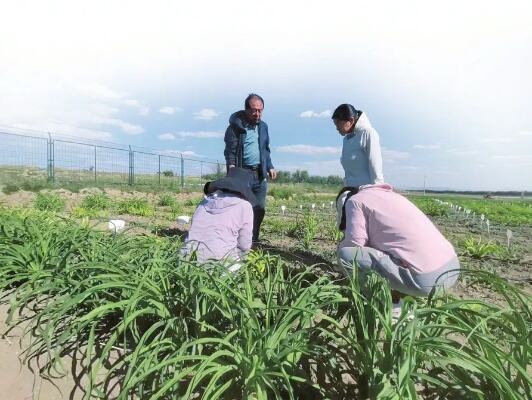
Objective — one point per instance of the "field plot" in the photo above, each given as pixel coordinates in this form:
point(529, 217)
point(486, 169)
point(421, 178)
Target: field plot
point(133, 319)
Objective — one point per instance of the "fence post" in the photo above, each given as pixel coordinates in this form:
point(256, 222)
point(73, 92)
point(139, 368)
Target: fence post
point(201, 171)
point(218, 170)
point(182, 171)
point(50, 165)
point(95, 176)
point(131, 176)
point(159, 169)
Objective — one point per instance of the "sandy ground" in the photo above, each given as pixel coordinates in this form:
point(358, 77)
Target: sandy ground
point(17, 380)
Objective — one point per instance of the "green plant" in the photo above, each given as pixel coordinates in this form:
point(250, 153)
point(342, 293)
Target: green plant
point(135, 206)
point(305, 229)
point(478, 249)
point(49, 202)
point(10, 188)
point(96, 201)
point(271, 330)
point(167, 199)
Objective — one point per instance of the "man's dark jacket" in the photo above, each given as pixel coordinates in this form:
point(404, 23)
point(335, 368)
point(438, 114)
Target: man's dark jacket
point(234, 143)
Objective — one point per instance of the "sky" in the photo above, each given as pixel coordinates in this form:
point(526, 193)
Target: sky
point(447, 85)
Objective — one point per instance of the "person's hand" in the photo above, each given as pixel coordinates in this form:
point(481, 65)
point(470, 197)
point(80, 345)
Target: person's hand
point(272, 173)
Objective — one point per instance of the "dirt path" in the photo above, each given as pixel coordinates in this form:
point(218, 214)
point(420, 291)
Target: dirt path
point(17, 380)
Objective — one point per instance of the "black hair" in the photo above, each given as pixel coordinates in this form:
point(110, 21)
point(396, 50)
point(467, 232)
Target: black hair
point(344, 112)
point(352, 191)
point(250, 97)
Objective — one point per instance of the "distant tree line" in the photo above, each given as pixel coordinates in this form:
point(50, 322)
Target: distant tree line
point(302, 176)
point(298, 176)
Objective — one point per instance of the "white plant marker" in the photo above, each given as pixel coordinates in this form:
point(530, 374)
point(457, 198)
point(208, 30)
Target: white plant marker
point(331, 204)
point(508, 237)
point(283, 208)
point(182, 220)
point(116, 225)
point(301, 206)
point(313, 205)
point(481, 220)
point(322, 205)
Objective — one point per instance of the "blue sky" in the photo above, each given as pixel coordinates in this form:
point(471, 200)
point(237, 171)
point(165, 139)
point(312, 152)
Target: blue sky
point(447, 85)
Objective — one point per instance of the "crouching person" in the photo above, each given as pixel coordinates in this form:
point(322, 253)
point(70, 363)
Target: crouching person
point(222, 225)
point(386, 233)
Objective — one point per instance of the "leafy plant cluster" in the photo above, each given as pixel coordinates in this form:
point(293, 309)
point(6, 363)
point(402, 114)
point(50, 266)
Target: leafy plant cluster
point(305, 229)
point(49, 202)
point(269, 331)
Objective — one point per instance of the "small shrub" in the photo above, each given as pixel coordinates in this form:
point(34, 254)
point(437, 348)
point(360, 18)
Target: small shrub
point(305, 229)
point(49, 202)
point(167, 200)
point(168, 173)
point(82, 212)
point(478, 249)
point(281, 193)
point(10, 188)
point(191, 203)
point(139, 207)
point(97, 201)
point(176, 209)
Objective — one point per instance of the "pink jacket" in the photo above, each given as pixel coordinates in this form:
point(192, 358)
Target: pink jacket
point(378, 217)
point(222, 227)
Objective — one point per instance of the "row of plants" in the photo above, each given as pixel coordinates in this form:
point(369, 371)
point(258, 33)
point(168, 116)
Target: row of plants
point(98, 204)
point(505, 212)
point(272, 330)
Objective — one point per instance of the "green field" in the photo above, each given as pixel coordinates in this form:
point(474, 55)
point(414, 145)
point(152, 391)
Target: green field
point(285, 326)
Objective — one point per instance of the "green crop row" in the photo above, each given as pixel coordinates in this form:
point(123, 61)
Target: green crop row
point(271, 330)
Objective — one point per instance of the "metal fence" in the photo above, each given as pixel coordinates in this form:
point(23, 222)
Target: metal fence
point(57, 160)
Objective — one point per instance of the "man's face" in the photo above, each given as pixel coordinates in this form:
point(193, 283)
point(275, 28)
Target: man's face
point(254, 111)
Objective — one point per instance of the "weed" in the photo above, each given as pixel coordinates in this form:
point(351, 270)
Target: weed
point(478, 249)
point(135, 206)
point(167, 200)
point(49, 202)
point(96, 201)
point(10, 188)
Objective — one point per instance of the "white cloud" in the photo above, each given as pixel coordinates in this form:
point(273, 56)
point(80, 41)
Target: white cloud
point(177, 153)
point(206, 114)
point(514, 157)
point(99, 92)
point(314, 114)
point(309, 149)
point(126, 127)
point(200, 134)
point(166, 136)
point(170, 110)
point(458, 152)
point(393, 155)
point(427, 146)
point(525, 133)
point(142, 109)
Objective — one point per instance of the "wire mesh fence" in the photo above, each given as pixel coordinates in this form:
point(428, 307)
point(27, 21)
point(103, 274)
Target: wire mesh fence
point(57, 160)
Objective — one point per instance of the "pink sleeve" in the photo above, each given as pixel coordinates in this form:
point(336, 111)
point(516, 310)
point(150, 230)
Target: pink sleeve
point(356, 234)
point(245, 234)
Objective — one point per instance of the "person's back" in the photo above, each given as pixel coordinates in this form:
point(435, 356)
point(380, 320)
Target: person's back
point(382, 219)
point(221, 227)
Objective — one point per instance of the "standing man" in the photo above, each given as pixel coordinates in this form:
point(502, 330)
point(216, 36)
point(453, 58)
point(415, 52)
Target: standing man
point(247, 145)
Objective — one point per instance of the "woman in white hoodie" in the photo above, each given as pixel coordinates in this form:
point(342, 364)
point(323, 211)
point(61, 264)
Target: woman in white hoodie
point(361, 151)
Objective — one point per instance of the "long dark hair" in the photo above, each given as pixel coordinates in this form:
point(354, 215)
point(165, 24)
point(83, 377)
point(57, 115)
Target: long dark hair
point(352, 191)
point(345, 112)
